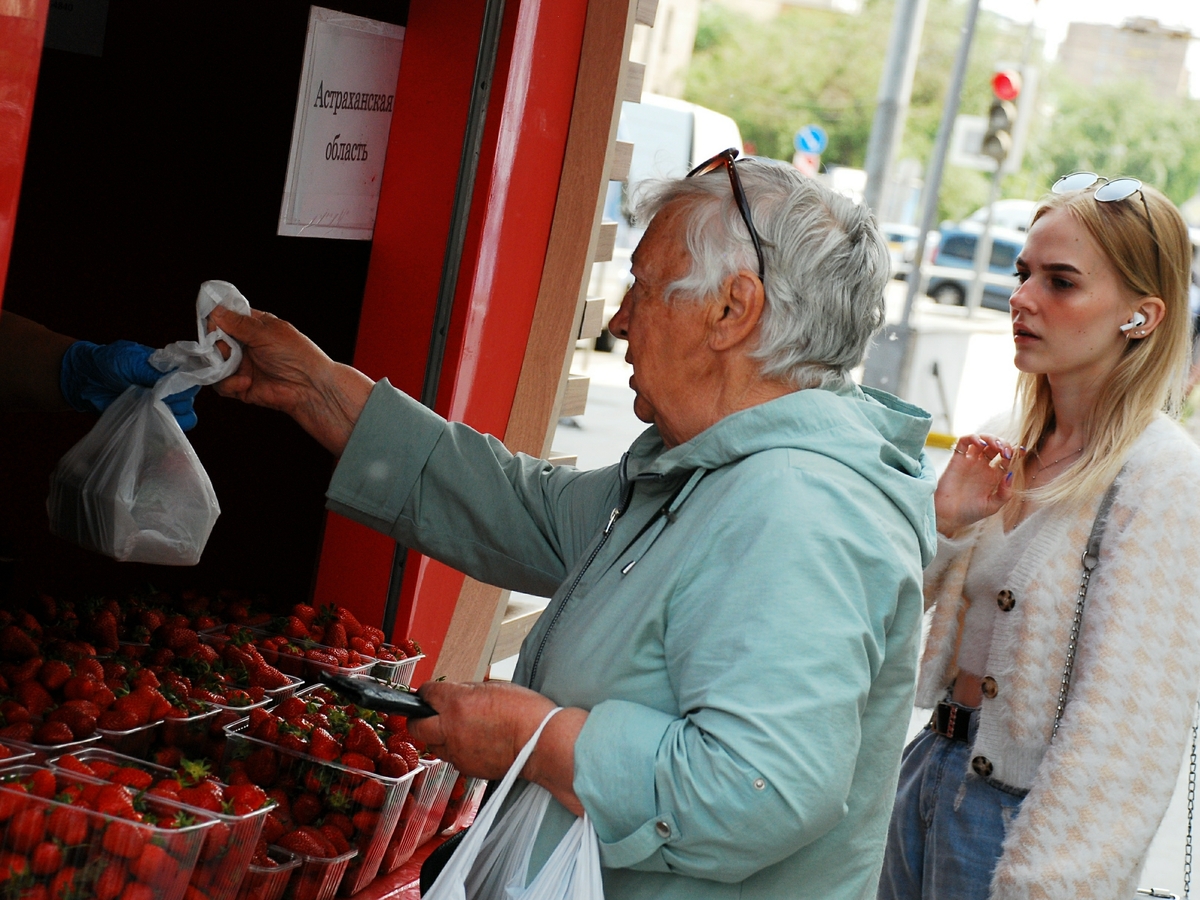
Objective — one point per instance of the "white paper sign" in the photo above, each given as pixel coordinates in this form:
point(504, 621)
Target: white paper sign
point(340, 134)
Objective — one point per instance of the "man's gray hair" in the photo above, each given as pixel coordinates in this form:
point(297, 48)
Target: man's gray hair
point(826, 264)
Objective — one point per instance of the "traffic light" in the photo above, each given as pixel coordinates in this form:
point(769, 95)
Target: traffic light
point(997, 142)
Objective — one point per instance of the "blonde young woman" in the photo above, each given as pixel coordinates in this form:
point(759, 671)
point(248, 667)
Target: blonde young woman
point(992, 802)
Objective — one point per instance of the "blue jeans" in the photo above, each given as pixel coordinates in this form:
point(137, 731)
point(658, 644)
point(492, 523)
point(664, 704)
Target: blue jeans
point(947, 826)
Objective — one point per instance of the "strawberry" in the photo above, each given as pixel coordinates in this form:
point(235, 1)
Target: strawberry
point(53, 733)
point(305, 613)
point(124, 839)
point(104, 632)
point(363, 739)
point(134, 779)
point(295, 628)
point(81, 687)
point(370, 794)
point(78, 720)
point(63, 886)
point(72, 763)
point(273, 828)
point(114, 800)
point(365, 822)
point(22, 731)
point(306, 808)
point(42, 783)
point(357, 761)
point(137, 891)
point(13, 712)
point(118, 720)
point(68, 826)
point(26, 829)
point(307, 841)
point(245, 798)
point(335, 636)
point(349, 622)
point(150, 864)
point(33, 697)
point(269, 677)
point(392, 765)
point(206, 795)
point(335, 837)
point(109, 883)
point(54, 674)
point(46, 859)
point(17, 643)
point(341, 821)
point(263, 767)
point(291, 708)
point(323, 745)
point(168, 757)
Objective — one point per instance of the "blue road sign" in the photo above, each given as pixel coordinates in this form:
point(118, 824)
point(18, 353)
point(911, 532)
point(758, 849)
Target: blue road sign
point(811, 139)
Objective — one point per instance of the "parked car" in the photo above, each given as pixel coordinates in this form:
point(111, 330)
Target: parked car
point(669, 138)
point(953, 262)
point(902, 245)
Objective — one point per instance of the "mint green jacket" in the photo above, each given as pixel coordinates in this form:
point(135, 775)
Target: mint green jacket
point(740, 614)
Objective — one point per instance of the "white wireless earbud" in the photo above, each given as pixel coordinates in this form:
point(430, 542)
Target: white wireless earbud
point(1137, 321)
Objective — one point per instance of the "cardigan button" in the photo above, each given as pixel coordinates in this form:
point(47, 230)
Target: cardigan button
point(988, 687)
point(662, 829)
point(982, 766)
point(1005, 600)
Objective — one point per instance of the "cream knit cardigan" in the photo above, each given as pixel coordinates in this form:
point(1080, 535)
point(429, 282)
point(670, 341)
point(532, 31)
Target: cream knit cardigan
point(1098, 792)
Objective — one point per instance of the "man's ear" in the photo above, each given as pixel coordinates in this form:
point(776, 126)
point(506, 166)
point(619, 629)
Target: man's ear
point(736, 311)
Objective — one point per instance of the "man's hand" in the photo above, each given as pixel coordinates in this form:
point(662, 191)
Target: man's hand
point(282, 369)
point(92, 376)
point(480, 728)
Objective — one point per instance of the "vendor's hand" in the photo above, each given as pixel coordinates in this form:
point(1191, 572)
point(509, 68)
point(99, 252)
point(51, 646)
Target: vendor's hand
point(282, 369)
point(481, 727)
point(92, 376)
point(976, 483)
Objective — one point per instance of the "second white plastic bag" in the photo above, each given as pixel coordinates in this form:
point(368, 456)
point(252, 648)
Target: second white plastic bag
point(133, 488)
point(492, 862)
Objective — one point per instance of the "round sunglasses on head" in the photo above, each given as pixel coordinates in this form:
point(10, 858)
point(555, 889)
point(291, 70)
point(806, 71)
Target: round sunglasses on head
point(1111, 192)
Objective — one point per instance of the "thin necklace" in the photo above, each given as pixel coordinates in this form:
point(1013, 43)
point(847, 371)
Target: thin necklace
point(1042, 467)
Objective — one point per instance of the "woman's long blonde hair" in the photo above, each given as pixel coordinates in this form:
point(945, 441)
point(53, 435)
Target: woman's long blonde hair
point(1154, 259)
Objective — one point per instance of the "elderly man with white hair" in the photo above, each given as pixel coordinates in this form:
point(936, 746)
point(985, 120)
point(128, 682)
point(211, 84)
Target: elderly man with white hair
point(735, 608)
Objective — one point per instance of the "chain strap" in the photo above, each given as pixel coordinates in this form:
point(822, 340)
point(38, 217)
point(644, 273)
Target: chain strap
point(1089, 563)
point(1187, 847)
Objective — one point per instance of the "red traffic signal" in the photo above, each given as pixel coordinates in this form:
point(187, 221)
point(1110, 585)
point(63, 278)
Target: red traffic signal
point(1006, 84)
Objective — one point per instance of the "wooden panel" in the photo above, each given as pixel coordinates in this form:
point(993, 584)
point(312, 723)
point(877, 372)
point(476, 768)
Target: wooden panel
point(558, 458)
point(571, 249)
point(635, 77)
point(606, 240)
point(520, 615)
point(647, 12)
point(574, 401)
point(593, 318)
point(622, 160)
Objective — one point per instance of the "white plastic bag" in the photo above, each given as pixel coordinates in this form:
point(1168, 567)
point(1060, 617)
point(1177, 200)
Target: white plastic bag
point(493, 864)
point(133, 487)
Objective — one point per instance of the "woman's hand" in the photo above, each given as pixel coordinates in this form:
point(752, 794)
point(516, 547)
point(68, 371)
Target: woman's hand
point(282, 369)
point(976, 483)
point(481, 727)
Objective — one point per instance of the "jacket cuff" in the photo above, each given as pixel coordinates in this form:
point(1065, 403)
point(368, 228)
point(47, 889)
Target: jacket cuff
point(383, 459)
point(615, 757)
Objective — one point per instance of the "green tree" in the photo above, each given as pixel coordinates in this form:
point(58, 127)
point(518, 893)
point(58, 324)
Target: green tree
point(819, 67)
point(1116, 129)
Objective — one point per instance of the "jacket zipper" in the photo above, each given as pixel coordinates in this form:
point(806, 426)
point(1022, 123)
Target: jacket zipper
point(612, 519)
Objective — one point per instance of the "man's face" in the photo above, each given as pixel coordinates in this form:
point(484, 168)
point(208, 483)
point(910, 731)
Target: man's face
point(667, 339)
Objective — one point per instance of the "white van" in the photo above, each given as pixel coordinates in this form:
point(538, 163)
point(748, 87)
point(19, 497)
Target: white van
point(670, 137)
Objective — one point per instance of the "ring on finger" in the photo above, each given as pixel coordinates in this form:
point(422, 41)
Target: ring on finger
point(963, 452)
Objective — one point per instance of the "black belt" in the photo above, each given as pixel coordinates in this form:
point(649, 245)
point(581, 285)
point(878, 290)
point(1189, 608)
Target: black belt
point(953, 720)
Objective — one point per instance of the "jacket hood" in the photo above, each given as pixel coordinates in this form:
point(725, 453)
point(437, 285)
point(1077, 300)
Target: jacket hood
point(879, 436)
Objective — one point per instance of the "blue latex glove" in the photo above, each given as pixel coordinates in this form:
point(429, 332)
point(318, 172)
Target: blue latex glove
point(94, 375)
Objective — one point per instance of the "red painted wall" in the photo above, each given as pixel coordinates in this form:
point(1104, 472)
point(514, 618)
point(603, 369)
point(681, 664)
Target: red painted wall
point(512, 211)
point(20, 56)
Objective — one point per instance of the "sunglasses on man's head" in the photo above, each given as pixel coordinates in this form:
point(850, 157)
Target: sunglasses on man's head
point(725, 158)
point(1111, 192)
